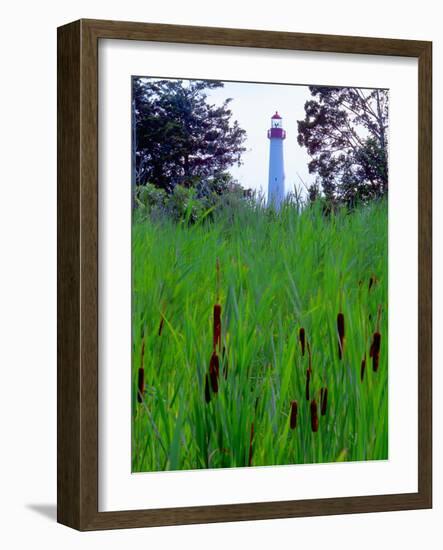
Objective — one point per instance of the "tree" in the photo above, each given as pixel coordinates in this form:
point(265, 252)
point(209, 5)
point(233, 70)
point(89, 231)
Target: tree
point(345, 133)
point(180, 138)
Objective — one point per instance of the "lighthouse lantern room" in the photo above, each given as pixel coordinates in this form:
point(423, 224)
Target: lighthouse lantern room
point(276, 183)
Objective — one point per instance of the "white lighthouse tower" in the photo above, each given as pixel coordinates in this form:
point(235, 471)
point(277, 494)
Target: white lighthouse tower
point(276, 184)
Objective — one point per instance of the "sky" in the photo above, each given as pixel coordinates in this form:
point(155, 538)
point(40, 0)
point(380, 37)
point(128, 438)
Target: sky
point(253, 105)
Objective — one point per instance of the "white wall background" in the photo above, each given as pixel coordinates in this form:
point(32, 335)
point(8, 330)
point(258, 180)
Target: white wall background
point(28, 271)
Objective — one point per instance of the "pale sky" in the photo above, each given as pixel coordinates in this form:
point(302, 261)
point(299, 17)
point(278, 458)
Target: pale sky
point(253, 106)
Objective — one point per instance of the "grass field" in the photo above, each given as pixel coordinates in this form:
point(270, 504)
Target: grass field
point(277, 274)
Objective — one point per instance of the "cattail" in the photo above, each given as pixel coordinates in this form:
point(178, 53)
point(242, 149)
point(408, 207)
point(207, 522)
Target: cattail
point(375, 347)
point(376, 342)
point(308, 381)
point(363, 368)
point(160, 326)
point(323, 400)
point(207, 390)
point(142, 353)
point(217, 279)
point(309, 356)
point(341, 334)
point(225, 363)
point(314, 416)
point(251, 438)
point(141, 373)
point(141, 384)
point(214, 370)
point(372, 281)
point(217, 327)
point(294, 411)
point(301, 336)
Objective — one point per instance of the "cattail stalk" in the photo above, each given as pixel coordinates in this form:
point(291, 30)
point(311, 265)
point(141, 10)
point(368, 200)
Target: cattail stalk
point(142, 353)
point(308, 381)
point(378, 317)
point(257, 401)
point(217, 279)
point(207, 390)
point(160, 326)
point(309, 356)
point(323, 400)
point(341, 334)
point(251, 439)
point(214, 371)
point(225, 363)
point(314, 416)
point(301, 337)
point(294, 412)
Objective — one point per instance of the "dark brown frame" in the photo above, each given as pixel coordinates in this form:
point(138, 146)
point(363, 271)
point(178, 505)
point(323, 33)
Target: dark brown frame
point(77, 455)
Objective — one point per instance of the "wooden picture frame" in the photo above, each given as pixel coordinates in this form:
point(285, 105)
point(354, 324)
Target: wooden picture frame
point(77, 456)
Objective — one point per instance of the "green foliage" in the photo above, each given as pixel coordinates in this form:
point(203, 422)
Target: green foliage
point(345, 133)
point(278, 272)
point(193, 203)
point(150, 196)
point(179, 136)
point(183, 205)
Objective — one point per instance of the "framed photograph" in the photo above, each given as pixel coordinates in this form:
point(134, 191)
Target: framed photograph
point(244, 275)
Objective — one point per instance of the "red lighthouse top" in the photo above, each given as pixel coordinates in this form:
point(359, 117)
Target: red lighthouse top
point(276, 130)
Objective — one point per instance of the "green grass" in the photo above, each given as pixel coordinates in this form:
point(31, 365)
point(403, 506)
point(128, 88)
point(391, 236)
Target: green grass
point(277, 273)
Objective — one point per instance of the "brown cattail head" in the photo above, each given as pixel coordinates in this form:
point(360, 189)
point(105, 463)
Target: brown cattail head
point(293, 418)
point(341, 334)
point(207, 390)
point(314, 416)
point(141, 373)
point(375, 362)
point(251, 439)
point(214, 371)
point(301, 337)
point(375, 347)
point(141, 384)
point(308, 381)
point(323, 400)
point(217, 327)
point(363, 368)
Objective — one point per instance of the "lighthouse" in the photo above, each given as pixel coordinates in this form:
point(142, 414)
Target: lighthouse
point(276, 183)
